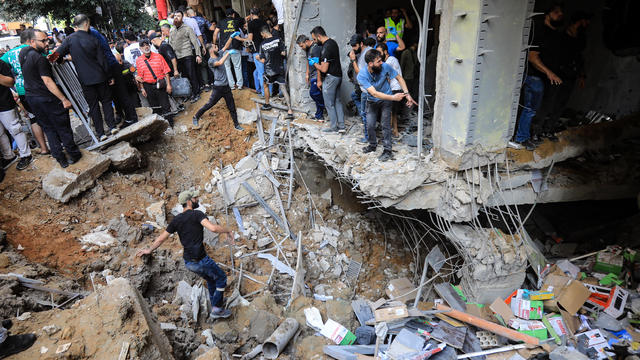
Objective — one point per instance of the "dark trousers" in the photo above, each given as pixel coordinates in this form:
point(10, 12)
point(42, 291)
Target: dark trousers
point(316, 95)
point(55, 122)
point(187, 67)
point(121, 97)
point(99, 93)
point(382, 107)
point(159, 101)
point(554, 100)
point(207, 269)
point(217, 93)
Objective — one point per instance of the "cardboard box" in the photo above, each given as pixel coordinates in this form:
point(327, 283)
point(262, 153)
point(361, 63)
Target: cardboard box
point(558, 325)
point(608, 262)
point(526, 309)
point(573, 296)
point(501, 308)
point(391, 313)
point(554, 283)
point(337, 333)
point(530, 327)
point(398, 287)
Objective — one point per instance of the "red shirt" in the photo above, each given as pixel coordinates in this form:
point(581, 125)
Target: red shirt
point(157, 63)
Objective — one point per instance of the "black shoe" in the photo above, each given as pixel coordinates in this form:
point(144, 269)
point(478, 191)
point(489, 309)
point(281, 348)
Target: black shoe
point(238, 127)
point(24, 162)
point(63, 163)
point(195, 98)
point(75, 159)
point(266, 107)
point(16, 343)
point(6, 162)
point(537, 140)
point(529, 145)
point(552, 137)
point(7, 324)
point(367, 149)
point(386, 155)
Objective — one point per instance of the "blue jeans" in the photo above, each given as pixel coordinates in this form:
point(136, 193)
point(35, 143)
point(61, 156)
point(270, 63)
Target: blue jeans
point(207, 269)
point(258, 75)
point(316, 95)
point(533, 91)
point(331, 95)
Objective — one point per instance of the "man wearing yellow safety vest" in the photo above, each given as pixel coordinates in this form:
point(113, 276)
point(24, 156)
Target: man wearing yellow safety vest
point(398, 23)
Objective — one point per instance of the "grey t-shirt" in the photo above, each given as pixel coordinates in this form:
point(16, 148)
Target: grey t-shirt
point(219, 73)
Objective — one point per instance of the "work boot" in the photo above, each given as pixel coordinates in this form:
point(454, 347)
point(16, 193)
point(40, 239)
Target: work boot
point(367, 149)
point(220, 314)
point(24, 162)
point(16, 343)
point(386, 156)
point(266, 107)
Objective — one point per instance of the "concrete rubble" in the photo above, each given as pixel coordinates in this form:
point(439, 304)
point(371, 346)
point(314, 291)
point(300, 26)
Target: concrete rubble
point(124, 157)
point(64, 184)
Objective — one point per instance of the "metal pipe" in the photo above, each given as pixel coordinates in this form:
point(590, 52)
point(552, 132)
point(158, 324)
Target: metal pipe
point(422, 278)
point(280, 338)
point(423, 66)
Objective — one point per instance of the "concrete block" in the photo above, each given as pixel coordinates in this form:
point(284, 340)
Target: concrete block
point(262, 325)
point(148, 127)
point(246, 163)
point(246, 117)
point(156, 213)
point(124, 157)
point(63, 184)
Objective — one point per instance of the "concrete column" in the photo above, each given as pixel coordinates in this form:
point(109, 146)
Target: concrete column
point(481, 59)
point(338, 18)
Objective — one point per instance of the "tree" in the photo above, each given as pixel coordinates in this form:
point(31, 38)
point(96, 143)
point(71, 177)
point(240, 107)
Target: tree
point(123, 12)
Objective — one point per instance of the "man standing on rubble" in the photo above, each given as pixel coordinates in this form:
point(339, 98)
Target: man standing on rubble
point(93, 72)
point(190, 225)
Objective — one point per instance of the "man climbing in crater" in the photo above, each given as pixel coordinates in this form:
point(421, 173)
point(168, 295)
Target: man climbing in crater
point(190, 225)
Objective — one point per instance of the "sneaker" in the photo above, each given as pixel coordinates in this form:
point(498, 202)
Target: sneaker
point(220, 314)
point(386, 156)
point(367, 149)
point(266, 107)
point(362, 140)
point(103, 138)
point(63, 163)
point(114, 131)
point(195, 99)
point(24, 162)
point(6, 162)
point(342, 131)
point(16, 343)
point(239, 128)
point(195, 121)
point(515, 145)
point(320, 119)
point(329, 130)
point(289, 116)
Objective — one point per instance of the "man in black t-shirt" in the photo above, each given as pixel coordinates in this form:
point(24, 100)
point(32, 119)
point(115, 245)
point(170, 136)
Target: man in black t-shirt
point(330, 71)
point(254, 27)
point(273, 54)
point(167, 53)
point(230, 27)
point(546, 40)
point(190, 225)
point(48, 103)
point(314, 52)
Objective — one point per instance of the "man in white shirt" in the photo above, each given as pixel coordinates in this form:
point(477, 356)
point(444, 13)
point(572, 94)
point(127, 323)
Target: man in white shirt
point(132, 51)
point(395, 85)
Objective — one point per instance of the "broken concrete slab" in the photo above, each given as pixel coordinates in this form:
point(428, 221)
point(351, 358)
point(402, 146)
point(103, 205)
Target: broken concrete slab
point(124, 157)
point(262, 325)
point(63, 184)
point(148, 127)
point(99, 237)
point(157, 213)
point(246, 117)
point(212, 354)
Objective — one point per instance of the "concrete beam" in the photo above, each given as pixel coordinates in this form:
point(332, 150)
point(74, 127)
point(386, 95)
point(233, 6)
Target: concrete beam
point(479, 72)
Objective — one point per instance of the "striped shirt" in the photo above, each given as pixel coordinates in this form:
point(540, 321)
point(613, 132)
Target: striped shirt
point(157, 63)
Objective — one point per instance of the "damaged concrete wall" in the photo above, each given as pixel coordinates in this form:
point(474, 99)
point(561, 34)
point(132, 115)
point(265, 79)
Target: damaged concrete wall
point(479, 71)
point(338, 18)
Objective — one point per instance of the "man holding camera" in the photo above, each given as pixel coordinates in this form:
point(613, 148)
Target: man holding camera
point(153, 77)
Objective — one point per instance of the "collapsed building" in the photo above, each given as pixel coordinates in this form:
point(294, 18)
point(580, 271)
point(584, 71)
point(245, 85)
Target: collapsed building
point(453, 191)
